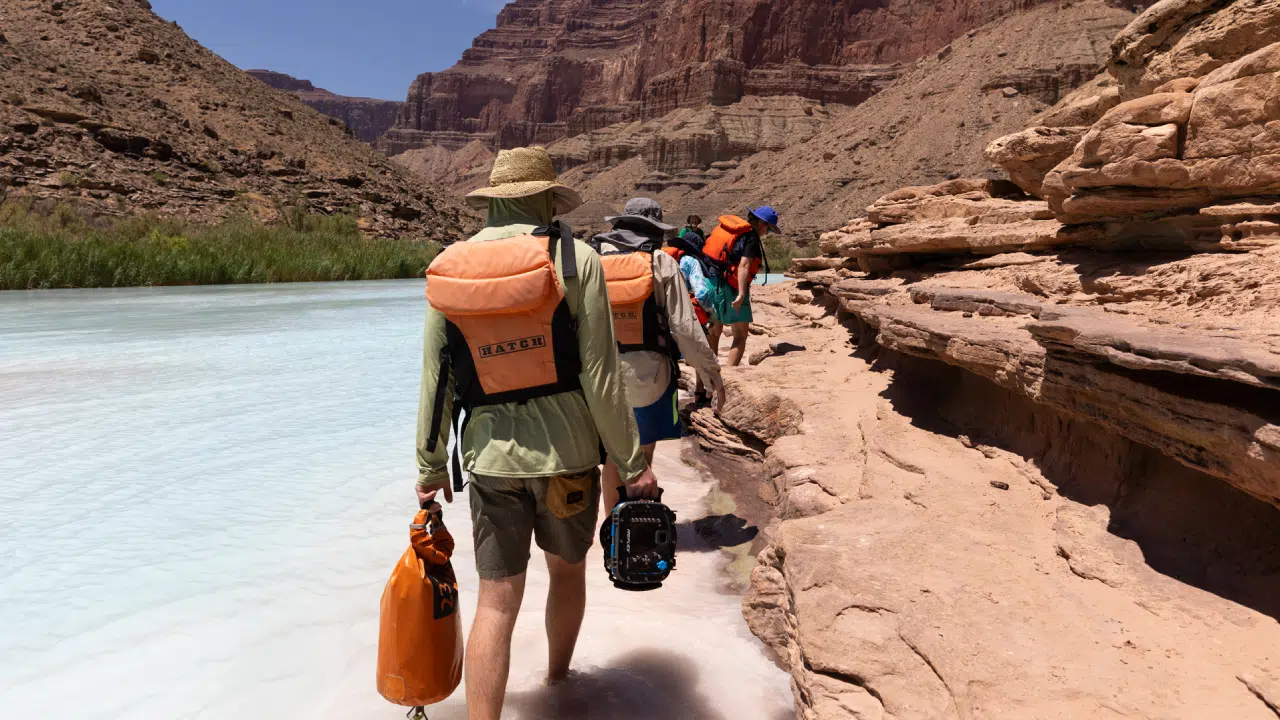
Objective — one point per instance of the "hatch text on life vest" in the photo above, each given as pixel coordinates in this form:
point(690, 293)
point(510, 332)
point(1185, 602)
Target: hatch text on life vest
point(512, 346)
point(626, 315)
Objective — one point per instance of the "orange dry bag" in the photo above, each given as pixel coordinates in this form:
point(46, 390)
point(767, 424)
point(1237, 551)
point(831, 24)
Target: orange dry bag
point(420, 638)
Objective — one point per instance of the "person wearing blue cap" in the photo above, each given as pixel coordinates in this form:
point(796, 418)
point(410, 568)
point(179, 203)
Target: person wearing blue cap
point(737, 247)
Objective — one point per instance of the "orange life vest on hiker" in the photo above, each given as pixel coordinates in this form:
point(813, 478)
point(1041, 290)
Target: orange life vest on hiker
point(420, 628)
point(720, 245)
point(639, 323)
point(510, 336)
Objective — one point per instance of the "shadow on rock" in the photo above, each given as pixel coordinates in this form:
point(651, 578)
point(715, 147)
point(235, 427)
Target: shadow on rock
point(714, 532)
point(1190, 526)
point(646, 685)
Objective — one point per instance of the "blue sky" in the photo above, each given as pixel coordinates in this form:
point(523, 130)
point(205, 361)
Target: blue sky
point(371, 48)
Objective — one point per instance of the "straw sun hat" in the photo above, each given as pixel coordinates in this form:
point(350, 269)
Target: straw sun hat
point(523, 172)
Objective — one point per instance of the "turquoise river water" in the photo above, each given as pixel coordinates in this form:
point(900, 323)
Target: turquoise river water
point(203, 491)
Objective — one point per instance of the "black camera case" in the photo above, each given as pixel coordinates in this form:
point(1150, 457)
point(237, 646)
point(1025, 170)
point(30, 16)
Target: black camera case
point(639, 541)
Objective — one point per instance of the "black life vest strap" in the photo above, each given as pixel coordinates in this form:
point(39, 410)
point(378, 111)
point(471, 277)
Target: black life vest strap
point(442, 387)
point(555, 233)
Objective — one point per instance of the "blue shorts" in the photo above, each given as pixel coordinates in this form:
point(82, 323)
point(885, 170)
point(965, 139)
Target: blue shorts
point(661, 420)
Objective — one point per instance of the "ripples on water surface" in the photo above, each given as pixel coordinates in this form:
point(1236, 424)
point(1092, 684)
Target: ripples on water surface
point(205, 489)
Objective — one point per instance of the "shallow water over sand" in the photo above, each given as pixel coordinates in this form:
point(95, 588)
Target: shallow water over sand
point(205, 489)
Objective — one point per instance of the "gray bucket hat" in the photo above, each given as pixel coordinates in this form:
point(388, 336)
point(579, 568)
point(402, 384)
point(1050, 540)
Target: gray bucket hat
point(643, 210)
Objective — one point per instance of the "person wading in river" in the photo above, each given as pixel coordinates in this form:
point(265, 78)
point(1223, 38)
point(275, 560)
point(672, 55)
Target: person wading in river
point(533, 460)
point(737, 246)
point(653, 329)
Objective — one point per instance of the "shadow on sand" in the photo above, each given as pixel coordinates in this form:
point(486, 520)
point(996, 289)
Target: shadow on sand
point(645, 685)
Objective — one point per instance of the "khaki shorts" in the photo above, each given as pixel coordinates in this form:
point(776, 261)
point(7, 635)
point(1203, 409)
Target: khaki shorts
point(505, 512)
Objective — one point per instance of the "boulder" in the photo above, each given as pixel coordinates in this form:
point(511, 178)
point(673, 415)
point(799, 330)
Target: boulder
point(1189, 38)
point(1176, 151)
point(1029, 155)
point(758, 411)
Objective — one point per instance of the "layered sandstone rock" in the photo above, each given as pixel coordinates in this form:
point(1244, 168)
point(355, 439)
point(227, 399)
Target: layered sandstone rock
point(981, 217)
point(941, 546)
point(1177, 151)
point(1088, 402)
point(109, 106)
point(368, 118)
point(689, 139)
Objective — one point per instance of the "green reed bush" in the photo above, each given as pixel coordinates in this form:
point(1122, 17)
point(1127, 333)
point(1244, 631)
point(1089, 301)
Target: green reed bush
point(60, 248)
point(780, 252)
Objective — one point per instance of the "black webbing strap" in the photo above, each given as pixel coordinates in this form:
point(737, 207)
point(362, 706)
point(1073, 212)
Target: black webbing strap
point(437, 405)
point(555, 233)
point(570, 259)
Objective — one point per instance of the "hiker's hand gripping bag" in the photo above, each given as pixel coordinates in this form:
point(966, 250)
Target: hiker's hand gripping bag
point(420, 638)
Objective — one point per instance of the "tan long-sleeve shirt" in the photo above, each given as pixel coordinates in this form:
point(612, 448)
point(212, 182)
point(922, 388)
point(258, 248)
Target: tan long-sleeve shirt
point(549, 435)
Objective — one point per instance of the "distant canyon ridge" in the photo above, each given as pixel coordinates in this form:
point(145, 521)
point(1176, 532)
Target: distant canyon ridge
point(670, 97)
point(368, 118)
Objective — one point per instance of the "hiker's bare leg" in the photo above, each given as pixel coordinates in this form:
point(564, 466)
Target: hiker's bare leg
point(740, 333)
point(489, 647)
point(566, 603)
point(609, 488)
point(609, 492)
point(713, 337)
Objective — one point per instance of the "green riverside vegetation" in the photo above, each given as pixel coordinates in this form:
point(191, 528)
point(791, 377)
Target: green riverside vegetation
point(58, 247)
point(780, 252)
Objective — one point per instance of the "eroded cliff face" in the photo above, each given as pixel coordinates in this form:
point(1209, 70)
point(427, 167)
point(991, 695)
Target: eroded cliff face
point(1046, 483)
point(931, 124)
point(109, 106)
point(368, 118)
point(556, 68)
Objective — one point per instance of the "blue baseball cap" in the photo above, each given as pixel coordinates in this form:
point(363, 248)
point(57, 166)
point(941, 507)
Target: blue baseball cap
point(768, 215)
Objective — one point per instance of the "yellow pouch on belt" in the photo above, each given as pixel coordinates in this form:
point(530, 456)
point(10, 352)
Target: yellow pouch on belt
point(568, 495)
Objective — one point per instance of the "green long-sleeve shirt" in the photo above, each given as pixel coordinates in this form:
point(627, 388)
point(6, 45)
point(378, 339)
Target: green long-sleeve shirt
point(549, 435)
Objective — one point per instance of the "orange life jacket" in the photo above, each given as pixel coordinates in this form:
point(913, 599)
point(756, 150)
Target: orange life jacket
point(510, 335)
point(639, 323)
point(420, 628)
point(720, 243)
